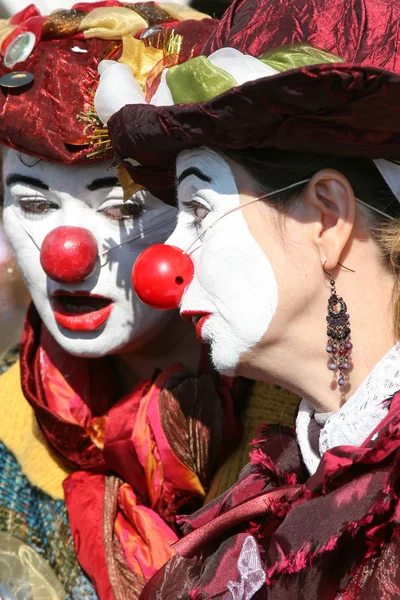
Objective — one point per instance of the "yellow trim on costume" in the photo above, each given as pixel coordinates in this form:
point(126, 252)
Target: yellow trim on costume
point(20, 433)
point(183, 13)
point(5, 29)
point(140, 58)
point(111, 23)
point(115, 22)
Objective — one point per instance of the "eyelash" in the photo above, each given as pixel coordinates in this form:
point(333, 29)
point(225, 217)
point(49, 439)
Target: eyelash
point(35, 208)
point(133, 210)
point(192, 206)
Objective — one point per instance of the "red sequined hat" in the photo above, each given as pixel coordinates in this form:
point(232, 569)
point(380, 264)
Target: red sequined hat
point(343, 100)
point(48, 70)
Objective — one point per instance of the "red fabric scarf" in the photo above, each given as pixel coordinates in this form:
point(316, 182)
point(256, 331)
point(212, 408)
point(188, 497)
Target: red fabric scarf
point(332, 536)
point(137, 461)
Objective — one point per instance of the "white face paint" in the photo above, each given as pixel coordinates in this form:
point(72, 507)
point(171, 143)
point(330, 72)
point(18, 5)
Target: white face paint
point(234, 282)
point(43, 196)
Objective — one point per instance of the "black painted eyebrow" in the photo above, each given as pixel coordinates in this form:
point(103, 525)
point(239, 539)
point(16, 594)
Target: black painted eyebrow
point(104, 182)
point(17, 178)
point(193, 171)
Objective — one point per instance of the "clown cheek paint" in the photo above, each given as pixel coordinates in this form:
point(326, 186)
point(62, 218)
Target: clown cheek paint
point(234, 282)
point(90, 311)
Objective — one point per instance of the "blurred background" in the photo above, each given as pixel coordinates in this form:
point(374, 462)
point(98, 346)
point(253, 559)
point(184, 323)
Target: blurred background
point(14, 297)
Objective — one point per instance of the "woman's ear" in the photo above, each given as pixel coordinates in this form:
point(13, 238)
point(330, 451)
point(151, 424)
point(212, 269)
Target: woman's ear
point(331, 199)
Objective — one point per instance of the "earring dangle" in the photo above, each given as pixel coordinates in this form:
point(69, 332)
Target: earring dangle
point(338, 331)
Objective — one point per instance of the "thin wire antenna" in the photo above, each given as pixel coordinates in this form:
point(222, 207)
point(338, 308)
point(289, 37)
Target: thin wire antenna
point(137, 237)
point(103, 252)
point(240, 206)
point(25, 228)
point(380, 212)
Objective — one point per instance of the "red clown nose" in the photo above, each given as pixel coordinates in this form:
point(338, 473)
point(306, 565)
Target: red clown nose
point(69, 254)
point(160, 276)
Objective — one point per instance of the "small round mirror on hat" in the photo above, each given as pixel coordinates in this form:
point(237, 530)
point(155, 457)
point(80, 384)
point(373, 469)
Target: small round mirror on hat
point(19, 49)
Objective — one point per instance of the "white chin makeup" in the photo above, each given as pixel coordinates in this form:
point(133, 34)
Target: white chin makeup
point(78, 197)
point(234, 280)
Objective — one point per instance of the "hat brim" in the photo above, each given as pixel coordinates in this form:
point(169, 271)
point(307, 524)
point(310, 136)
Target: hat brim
point(338, 109)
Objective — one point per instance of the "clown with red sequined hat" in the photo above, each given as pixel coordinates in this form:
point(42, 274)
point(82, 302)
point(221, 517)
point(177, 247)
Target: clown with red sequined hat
point(119, 425)
point(281, 146)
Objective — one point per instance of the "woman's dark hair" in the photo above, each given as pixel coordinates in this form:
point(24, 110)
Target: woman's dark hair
point(275, 169)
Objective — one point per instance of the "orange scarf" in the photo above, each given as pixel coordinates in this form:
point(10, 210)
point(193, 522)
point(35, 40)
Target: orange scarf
point(139, 461)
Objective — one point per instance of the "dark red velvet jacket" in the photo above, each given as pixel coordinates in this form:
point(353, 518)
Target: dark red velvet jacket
point(333, 535)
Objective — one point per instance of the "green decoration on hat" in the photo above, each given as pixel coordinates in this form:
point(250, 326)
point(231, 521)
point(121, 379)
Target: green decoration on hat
point(197, 80)
point(296, 56)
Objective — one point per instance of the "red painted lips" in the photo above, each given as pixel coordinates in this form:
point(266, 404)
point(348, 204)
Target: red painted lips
point(80, 311)
point(198, 319)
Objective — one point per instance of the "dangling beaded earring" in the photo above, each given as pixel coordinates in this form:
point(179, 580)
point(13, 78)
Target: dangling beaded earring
point(338, 331)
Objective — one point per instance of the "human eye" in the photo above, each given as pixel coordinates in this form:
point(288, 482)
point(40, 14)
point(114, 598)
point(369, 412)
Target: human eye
point(37, 206)
point(198, 210)
point(123, 211)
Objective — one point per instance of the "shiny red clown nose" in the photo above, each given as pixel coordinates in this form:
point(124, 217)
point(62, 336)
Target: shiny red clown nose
point(69, 254)
point(160, 276)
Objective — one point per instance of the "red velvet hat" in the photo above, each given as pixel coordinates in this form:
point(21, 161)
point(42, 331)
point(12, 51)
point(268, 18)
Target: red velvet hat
point(344, 100)
point(48, 70)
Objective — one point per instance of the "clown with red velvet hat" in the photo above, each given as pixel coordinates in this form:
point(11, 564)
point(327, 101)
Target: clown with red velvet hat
point(284, 142)
point(125, 424)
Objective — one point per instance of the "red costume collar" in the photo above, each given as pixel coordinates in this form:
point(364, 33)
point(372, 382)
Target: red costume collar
point(336, 531)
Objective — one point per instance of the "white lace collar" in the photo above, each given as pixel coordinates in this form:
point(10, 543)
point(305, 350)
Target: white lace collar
point(357, 418)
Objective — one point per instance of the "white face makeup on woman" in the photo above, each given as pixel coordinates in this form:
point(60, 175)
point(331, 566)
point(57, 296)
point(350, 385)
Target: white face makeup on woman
point(233, 276)
point(100, 315)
